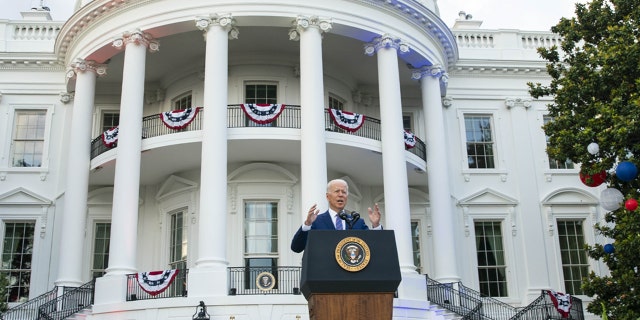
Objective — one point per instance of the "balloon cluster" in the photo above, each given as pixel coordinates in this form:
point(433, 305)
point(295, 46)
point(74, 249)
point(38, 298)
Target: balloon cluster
point(611, 198)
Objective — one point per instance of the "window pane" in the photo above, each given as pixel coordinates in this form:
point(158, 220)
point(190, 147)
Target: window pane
point(261, 227)
point(573, 255)
point(110, 120)
point(101, 239)
point(480, 142)
point(261, 93)
point(179, 242)
point(28, 141)
point(415, 240)
point(491, 260)
point(17, 251)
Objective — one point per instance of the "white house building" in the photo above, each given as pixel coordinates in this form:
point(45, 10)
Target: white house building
point(160, 135)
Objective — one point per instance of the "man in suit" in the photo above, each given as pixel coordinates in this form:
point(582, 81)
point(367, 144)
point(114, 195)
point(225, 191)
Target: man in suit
point(337, 194)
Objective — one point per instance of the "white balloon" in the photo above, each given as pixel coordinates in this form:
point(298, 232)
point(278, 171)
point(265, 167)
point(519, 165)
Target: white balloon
point(611, 199)
point(593, 148)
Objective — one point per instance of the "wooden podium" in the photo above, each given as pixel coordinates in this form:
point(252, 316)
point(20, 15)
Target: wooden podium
point(351, 274)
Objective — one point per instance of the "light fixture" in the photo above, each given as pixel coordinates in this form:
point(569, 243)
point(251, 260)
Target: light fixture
point(202, 313)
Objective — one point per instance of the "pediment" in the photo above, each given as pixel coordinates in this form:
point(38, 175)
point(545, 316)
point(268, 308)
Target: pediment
point(570, 196)
point(174, 185)
point(262, 172)
point(488, 197)
point(102, 196)
point(22, 196)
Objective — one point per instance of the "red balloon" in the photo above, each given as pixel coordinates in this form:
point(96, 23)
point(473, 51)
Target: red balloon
point(631, 204)
point(593, 180)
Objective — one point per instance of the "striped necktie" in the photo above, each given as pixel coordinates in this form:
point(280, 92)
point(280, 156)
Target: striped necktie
point(339, 225)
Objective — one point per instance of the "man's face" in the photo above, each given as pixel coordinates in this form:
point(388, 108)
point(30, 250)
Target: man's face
point(337, 196)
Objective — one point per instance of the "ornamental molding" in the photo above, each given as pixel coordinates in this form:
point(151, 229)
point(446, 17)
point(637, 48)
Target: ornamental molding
point(303, 23)
point(81, 65)
point(517, 102)
point(137, 37)
point(224, 20)
point(386, 41)
point(435, 71)
point(66, 97)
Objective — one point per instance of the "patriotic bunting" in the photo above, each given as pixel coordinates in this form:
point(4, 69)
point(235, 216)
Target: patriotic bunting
point(179, 119)
point(409, 139)
point(262, 113)
point(156, 282)
point(347, 120)
point(110, 137)
point(562, 302)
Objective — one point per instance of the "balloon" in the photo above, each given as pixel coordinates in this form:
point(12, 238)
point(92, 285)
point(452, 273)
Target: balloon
point(631, 204)
point(593, 148)
point(608, 248)
point(593, 180)
point(626, 171)
point(611, 199)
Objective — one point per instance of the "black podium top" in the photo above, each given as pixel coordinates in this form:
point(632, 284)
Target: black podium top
point(336, 261)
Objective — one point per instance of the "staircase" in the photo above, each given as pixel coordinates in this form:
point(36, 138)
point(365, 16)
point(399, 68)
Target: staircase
point(57, 304)
point(472, 305)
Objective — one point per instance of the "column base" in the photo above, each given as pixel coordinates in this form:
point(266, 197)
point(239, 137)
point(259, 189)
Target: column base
point(110, 289)
point(207, 282)
point(413, 287)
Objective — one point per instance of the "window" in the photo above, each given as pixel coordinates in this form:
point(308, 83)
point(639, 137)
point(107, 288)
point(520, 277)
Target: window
point(554, 163)
point(575, 266)
point(261, 240)
point(178, 246)
point(28, 138)
point(264, 93)
point(491, 260)
point(17, 250)
point(407, 122)
point(480, 144)
point(110, 120)
point(182, 102)
point(336, 102)
point(101, 239)
point(415, 240)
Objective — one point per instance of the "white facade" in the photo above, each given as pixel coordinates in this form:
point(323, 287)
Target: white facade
point(392, 61)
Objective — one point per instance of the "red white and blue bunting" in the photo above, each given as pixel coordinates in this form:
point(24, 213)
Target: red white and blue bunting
point(409, 139)
point(110, 137)
point(179, 119)
point(562, 302)
point(347, 120)
point(156, 282)
point(262, 113)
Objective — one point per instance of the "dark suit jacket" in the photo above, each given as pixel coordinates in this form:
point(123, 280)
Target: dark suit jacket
point(322, 222)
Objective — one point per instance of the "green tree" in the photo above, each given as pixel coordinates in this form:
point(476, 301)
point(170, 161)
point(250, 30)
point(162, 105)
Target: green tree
point(4, 283)
point(595, 83)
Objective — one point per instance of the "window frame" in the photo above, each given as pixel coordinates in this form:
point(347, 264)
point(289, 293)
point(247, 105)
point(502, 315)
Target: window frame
point(503, 266)
point(94, 224)
point(9, 141)
point(98, 118)
point(274, 256)
point(581, 248)
point(498, 148)
point(34, 253)
point(177, 99)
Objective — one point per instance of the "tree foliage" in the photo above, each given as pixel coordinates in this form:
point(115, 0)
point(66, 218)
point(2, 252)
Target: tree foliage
point(4, 283)
point(595, 82)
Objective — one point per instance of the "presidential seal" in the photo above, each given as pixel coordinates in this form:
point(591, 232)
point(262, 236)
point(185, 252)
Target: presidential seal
point(265, 281)
point(352, 254)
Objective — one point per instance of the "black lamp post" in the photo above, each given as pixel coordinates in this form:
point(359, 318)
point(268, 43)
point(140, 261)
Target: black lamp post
point(202, 313)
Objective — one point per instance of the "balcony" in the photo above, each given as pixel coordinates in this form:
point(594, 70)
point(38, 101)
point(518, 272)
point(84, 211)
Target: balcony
point(264, 280)
point(152, 126)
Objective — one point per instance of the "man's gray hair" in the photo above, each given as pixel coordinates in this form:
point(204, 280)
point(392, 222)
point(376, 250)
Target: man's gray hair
point(337, 180)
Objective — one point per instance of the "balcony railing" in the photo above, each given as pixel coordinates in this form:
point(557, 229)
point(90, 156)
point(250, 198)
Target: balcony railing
point(152, 126)
point(264, 280)
point(178, 288)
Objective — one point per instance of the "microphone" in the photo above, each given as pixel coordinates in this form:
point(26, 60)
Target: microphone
point(349, 217)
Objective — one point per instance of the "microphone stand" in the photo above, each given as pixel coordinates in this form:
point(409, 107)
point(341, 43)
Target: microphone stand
point(349, 218)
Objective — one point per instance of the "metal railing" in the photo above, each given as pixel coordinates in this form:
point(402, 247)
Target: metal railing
point(450, 298)
point(152, 126)
point(278, 280)
point(178, 288)
point(29, 309)
point(543, 309)
point(71, 301)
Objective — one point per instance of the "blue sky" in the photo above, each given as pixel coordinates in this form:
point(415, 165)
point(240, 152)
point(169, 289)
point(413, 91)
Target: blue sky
point(533, 15)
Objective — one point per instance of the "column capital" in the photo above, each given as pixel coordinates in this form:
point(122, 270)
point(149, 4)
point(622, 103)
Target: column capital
point(386, 41)
point(223, 20)
point(81, 65)
point(517, 102)
point(434, 71)
point(137, 37)
point(305, 22)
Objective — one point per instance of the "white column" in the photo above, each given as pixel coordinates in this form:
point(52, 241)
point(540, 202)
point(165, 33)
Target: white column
point(209, 277)
point(126, 185)
point(74, 217)
point(313, 151)
point(396, 187)
point(438, 175)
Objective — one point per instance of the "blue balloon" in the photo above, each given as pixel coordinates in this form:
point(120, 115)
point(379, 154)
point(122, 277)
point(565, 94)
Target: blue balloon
point(626, 171)
point(608, 248)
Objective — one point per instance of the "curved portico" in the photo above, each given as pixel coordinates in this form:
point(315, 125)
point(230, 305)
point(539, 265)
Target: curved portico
point(197, 55)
